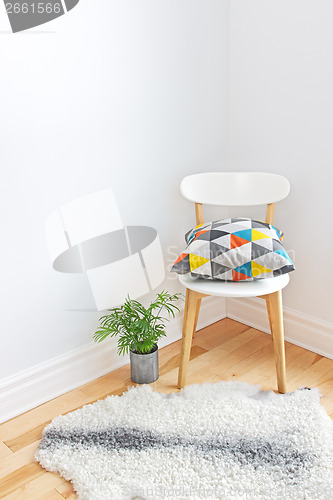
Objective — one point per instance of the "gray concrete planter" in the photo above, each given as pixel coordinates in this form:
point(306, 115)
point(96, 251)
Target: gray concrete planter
point(144, 367)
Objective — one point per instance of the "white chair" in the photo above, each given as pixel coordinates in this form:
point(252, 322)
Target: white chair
point(234, 189)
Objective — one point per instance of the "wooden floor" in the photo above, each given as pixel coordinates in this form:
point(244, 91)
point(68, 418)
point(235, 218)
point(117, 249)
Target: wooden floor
point(227, 350)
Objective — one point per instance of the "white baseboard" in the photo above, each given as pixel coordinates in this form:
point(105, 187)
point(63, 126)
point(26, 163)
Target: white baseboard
point(301, 329)
point(43, 382)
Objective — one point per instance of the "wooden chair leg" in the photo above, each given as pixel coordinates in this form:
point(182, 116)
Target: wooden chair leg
point(188, 326)
point(196, 315)
point(269, 314)
point(274, 302)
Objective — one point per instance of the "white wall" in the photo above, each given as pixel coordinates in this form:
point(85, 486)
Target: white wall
point(129, 95)
point(280, 120)
point(133, 95)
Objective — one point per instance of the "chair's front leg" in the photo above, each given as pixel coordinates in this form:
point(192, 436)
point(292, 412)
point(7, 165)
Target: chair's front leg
point(191, 301)
point(274, 307)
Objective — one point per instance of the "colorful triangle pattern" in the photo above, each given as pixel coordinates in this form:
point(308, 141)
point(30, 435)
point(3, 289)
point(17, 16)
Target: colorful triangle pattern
point(234, 249)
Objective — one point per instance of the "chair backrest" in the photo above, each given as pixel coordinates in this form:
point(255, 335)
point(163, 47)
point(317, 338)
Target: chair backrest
point(235, 189)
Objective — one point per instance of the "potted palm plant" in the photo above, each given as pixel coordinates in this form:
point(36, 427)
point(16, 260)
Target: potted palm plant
point(138, 330)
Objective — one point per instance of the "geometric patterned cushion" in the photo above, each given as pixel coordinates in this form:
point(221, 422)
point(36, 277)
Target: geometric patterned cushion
point(236, 249)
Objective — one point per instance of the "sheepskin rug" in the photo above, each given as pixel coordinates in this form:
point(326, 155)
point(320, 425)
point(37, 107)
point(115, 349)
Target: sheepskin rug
point(227, 440)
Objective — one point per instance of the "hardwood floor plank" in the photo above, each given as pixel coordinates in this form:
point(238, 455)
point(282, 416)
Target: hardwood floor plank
point(301, 361)
point(244, 343)
point(36, 488)
point(106, 383)
point(25, 439)
point(4, 451)
point(51, 495)
point(325, 387)
point(264, 372)
point(220, 364)
point(218, 333)
point(30, 420)
point(204, 367)
point(237, 370)
point(174, 361)
point(20, 477)
point(66, 490)
point(18, 459)
point(311, 375)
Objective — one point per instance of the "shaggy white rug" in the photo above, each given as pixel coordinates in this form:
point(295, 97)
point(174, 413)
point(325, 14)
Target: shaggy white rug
point(227, 440)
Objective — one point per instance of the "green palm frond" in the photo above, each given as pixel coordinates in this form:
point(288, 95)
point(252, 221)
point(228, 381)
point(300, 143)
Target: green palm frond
point(138, 328)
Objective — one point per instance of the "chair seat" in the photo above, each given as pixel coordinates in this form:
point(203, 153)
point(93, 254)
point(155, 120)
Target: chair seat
point(235, 288)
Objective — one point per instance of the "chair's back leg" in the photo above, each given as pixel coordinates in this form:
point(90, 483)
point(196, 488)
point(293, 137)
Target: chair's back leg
point(270, 213)
point(190, 311)
point(269, 314)
point(275, 312)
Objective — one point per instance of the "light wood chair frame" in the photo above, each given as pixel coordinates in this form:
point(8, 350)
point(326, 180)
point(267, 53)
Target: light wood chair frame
point(275, 315)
